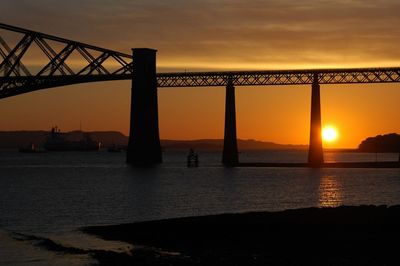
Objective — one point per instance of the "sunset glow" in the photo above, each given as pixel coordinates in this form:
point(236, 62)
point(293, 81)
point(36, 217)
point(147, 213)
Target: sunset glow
point(272, 123)
point(248, 35)
point(329, 134)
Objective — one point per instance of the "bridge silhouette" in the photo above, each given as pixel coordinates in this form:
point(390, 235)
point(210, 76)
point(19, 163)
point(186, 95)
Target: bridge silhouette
point(140, 67)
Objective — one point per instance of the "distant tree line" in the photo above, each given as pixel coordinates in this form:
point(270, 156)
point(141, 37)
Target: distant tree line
point(381, 143)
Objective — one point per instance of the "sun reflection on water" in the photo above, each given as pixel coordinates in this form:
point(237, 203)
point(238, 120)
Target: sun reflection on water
point(330, 192)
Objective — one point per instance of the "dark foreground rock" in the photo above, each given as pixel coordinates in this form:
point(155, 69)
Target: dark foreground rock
point(365, 235)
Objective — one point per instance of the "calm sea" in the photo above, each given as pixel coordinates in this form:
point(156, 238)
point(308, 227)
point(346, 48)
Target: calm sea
point(53, 194)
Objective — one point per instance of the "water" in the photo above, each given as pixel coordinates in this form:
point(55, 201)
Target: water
point(53, 194)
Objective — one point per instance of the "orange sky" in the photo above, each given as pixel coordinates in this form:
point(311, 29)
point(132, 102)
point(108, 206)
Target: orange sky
point(204, 35)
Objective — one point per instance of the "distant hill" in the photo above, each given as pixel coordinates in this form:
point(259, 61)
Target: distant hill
point(381, 143)
point(17, 139)
point(217, 144)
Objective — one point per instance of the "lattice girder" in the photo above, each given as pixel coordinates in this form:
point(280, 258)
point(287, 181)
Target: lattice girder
point(280, 77)
point(16, 78)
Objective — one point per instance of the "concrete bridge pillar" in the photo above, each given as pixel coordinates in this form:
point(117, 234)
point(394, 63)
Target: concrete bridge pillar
point(230, 153)
point(315, 152)
point(144, 140)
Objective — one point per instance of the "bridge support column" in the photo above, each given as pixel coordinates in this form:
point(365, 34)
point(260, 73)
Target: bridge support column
point(230, 153)
point(144, 140)
point(315, 152)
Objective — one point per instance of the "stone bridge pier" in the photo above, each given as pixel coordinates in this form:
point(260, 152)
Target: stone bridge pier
point(144, 139)
point(315, 152)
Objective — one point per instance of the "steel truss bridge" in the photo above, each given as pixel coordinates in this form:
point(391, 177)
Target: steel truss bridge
point(17, 78)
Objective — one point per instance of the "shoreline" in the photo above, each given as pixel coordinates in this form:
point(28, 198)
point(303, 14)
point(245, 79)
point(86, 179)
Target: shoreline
point(384, 164)
point(346, 235)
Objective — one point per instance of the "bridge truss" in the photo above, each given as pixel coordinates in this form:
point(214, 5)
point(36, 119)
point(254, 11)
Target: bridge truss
point(17, 78)
point(280, 77)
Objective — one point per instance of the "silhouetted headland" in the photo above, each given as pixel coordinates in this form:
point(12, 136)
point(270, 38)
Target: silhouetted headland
point(364, 235)
point(381, 143)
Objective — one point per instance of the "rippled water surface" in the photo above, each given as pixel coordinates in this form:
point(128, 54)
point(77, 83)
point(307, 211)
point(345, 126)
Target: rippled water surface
point(51, 194)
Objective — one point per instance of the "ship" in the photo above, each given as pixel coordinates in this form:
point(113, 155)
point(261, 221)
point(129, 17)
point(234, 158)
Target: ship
point(57, 141)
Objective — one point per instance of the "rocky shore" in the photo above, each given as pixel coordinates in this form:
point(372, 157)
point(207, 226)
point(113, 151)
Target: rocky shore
point(363, 235)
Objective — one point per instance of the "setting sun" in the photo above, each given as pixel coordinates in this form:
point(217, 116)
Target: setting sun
point(329, 134)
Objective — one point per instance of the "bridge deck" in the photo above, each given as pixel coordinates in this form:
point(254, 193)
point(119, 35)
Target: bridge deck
point(17, 78)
